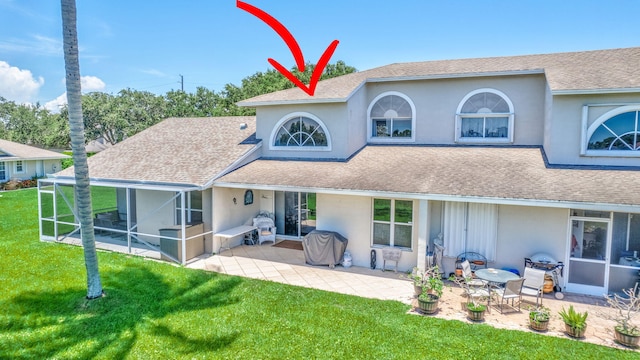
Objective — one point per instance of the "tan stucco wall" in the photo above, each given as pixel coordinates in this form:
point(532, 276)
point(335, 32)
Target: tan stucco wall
point(147, 202)
point(563, 135)
point(227, 215)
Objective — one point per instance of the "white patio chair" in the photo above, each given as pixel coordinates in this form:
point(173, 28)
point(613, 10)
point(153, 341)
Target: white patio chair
point(469, 277)
point(533, 283)
point(512, 290)
point(266, 229)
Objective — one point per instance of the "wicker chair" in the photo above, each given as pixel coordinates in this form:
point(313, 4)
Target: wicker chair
point(266, 229)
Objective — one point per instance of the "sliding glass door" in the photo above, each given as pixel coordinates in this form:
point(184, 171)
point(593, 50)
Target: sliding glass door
point(295, 213)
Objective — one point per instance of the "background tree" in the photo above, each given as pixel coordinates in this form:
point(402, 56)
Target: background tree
point(81, 170)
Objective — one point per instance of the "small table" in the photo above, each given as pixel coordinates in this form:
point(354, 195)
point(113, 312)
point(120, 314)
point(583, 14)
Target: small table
point(231, 233)
point(495, 277)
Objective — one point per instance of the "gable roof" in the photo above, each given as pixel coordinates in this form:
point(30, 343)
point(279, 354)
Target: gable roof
point(10, 150)
point(612, 70)
point(189, 151)
point(504, 174)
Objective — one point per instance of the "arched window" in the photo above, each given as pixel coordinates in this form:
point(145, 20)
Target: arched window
point(391, 118)
point(485, 115)
point(617, 130)
point(300, 130)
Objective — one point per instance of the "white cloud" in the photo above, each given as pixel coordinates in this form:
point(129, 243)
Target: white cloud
point(17, 84)
point(87, 83)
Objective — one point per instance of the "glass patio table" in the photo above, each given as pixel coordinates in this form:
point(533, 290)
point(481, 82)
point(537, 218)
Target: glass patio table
point(495, 278)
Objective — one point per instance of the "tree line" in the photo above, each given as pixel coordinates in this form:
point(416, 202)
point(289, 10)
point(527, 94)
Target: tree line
point(115, 117)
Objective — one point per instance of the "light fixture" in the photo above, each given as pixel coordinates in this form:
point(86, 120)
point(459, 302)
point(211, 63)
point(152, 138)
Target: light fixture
point(235, 202)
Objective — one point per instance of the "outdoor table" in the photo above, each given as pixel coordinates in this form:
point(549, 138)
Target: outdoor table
point(495, 277)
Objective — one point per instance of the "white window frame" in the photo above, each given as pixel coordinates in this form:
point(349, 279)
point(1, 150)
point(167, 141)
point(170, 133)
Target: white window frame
point(484, 140)
point(284, 119)
point(188, 211)
point(587, 132)
point(22, 167)
point(3, 166)
point(376, 139)
point(392, 223)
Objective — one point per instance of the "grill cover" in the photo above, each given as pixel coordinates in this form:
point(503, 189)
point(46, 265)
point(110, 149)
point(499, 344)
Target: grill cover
point(324, 248)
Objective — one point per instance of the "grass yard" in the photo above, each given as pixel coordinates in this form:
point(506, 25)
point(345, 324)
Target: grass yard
point(160, 311)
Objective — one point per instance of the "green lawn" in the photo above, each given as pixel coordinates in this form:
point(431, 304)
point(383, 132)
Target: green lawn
point(159, 311)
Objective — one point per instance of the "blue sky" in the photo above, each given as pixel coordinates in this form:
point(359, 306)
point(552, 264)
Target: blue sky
point(146, 45)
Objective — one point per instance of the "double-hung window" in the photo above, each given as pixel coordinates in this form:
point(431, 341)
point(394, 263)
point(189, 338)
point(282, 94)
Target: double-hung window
point(393, 222)
point(3, 171)
point(19, 167)
point(485, 116)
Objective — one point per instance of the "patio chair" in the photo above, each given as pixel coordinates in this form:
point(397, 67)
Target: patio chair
point(512, 290)
point(533, 283)
point(477, 292)
point(469, 277)
point(266, 229)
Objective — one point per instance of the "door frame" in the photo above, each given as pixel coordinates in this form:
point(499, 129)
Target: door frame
point(581, 288)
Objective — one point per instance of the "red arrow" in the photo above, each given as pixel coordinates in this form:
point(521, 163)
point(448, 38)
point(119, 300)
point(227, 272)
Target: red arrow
point(294, 48)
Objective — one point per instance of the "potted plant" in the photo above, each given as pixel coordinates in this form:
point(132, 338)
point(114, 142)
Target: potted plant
point(625, 308)
point(575, 323)
point(539, 318)
point(475, 310)
point(432, 286)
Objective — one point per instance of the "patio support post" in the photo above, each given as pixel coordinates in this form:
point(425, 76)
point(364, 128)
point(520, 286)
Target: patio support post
point(55, 211)
point(183, 228)
point(423, 233)
point(128, 220)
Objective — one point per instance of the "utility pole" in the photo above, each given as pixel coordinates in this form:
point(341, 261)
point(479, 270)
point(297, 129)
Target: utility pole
point(181, 83)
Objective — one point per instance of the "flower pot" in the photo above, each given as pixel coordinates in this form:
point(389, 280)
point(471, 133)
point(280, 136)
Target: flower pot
point(430, 305)
point(627, 339)
point(540, 325)
point(573, 332)
point(475, 315)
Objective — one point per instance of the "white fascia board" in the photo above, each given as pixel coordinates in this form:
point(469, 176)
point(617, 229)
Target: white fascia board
point(440, 197)
point(124, 184)
point(457, 75)
point(291, 102)
point(595, 91)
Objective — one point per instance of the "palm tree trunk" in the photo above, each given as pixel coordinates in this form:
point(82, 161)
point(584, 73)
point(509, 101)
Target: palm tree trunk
point(82, 188)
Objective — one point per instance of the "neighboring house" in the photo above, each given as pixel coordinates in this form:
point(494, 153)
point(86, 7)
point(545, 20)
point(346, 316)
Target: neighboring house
point(507, 156)
point(23, 162)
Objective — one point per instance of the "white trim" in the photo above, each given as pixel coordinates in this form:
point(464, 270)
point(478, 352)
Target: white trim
point(586, 136)
point(596, 91)
point(290, 116)
point(375, 139)
point(484, 140)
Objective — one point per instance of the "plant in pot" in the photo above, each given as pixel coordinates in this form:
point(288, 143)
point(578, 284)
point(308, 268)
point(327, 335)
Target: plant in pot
point(627, 332)
point(575, 323)
point(432, 286)
point(539, 318)
point(475, 309)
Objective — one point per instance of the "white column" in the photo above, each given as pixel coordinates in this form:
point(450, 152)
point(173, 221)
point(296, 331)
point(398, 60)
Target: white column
point(183, 228)
point(423, 233)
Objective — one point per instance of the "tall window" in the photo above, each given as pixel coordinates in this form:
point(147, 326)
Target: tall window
point(300, 130)
point(19, 167)
point(471, 227)
point(393, 222)
point(615, 132)
point(391, 117)
point(485, 115)
point(193, 208)
point(3, 172)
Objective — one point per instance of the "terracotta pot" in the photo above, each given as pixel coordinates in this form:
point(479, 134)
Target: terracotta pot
point(458, 272)
point(429, 306)
point(573, 332)
point(627, 340)
point(548, 284)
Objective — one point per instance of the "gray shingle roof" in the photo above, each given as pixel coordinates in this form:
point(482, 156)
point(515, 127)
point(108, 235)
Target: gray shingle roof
point(601, 70)
point(177, 151)
point(499, 173)
point(17, 151)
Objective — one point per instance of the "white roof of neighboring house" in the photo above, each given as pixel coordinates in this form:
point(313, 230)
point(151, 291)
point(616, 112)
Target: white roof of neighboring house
point(10, 150)
point(600, 71)
point(446, 172)
point(175, 151)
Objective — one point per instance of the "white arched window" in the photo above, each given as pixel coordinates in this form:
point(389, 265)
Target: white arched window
point(485, 116)
point(392, 117)
point(617, 132)
point(300, 130)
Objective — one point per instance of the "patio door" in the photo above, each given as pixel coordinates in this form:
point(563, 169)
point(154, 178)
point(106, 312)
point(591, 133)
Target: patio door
point(295, 213)
point(588, 266)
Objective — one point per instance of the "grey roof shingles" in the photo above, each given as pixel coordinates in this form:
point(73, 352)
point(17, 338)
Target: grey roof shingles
point(500, 173)
point(175, 151)
point(17, 151)
point(604, 70)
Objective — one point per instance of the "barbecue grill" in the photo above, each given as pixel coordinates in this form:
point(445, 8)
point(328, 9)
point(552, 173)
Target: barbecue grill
point(553, 268)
